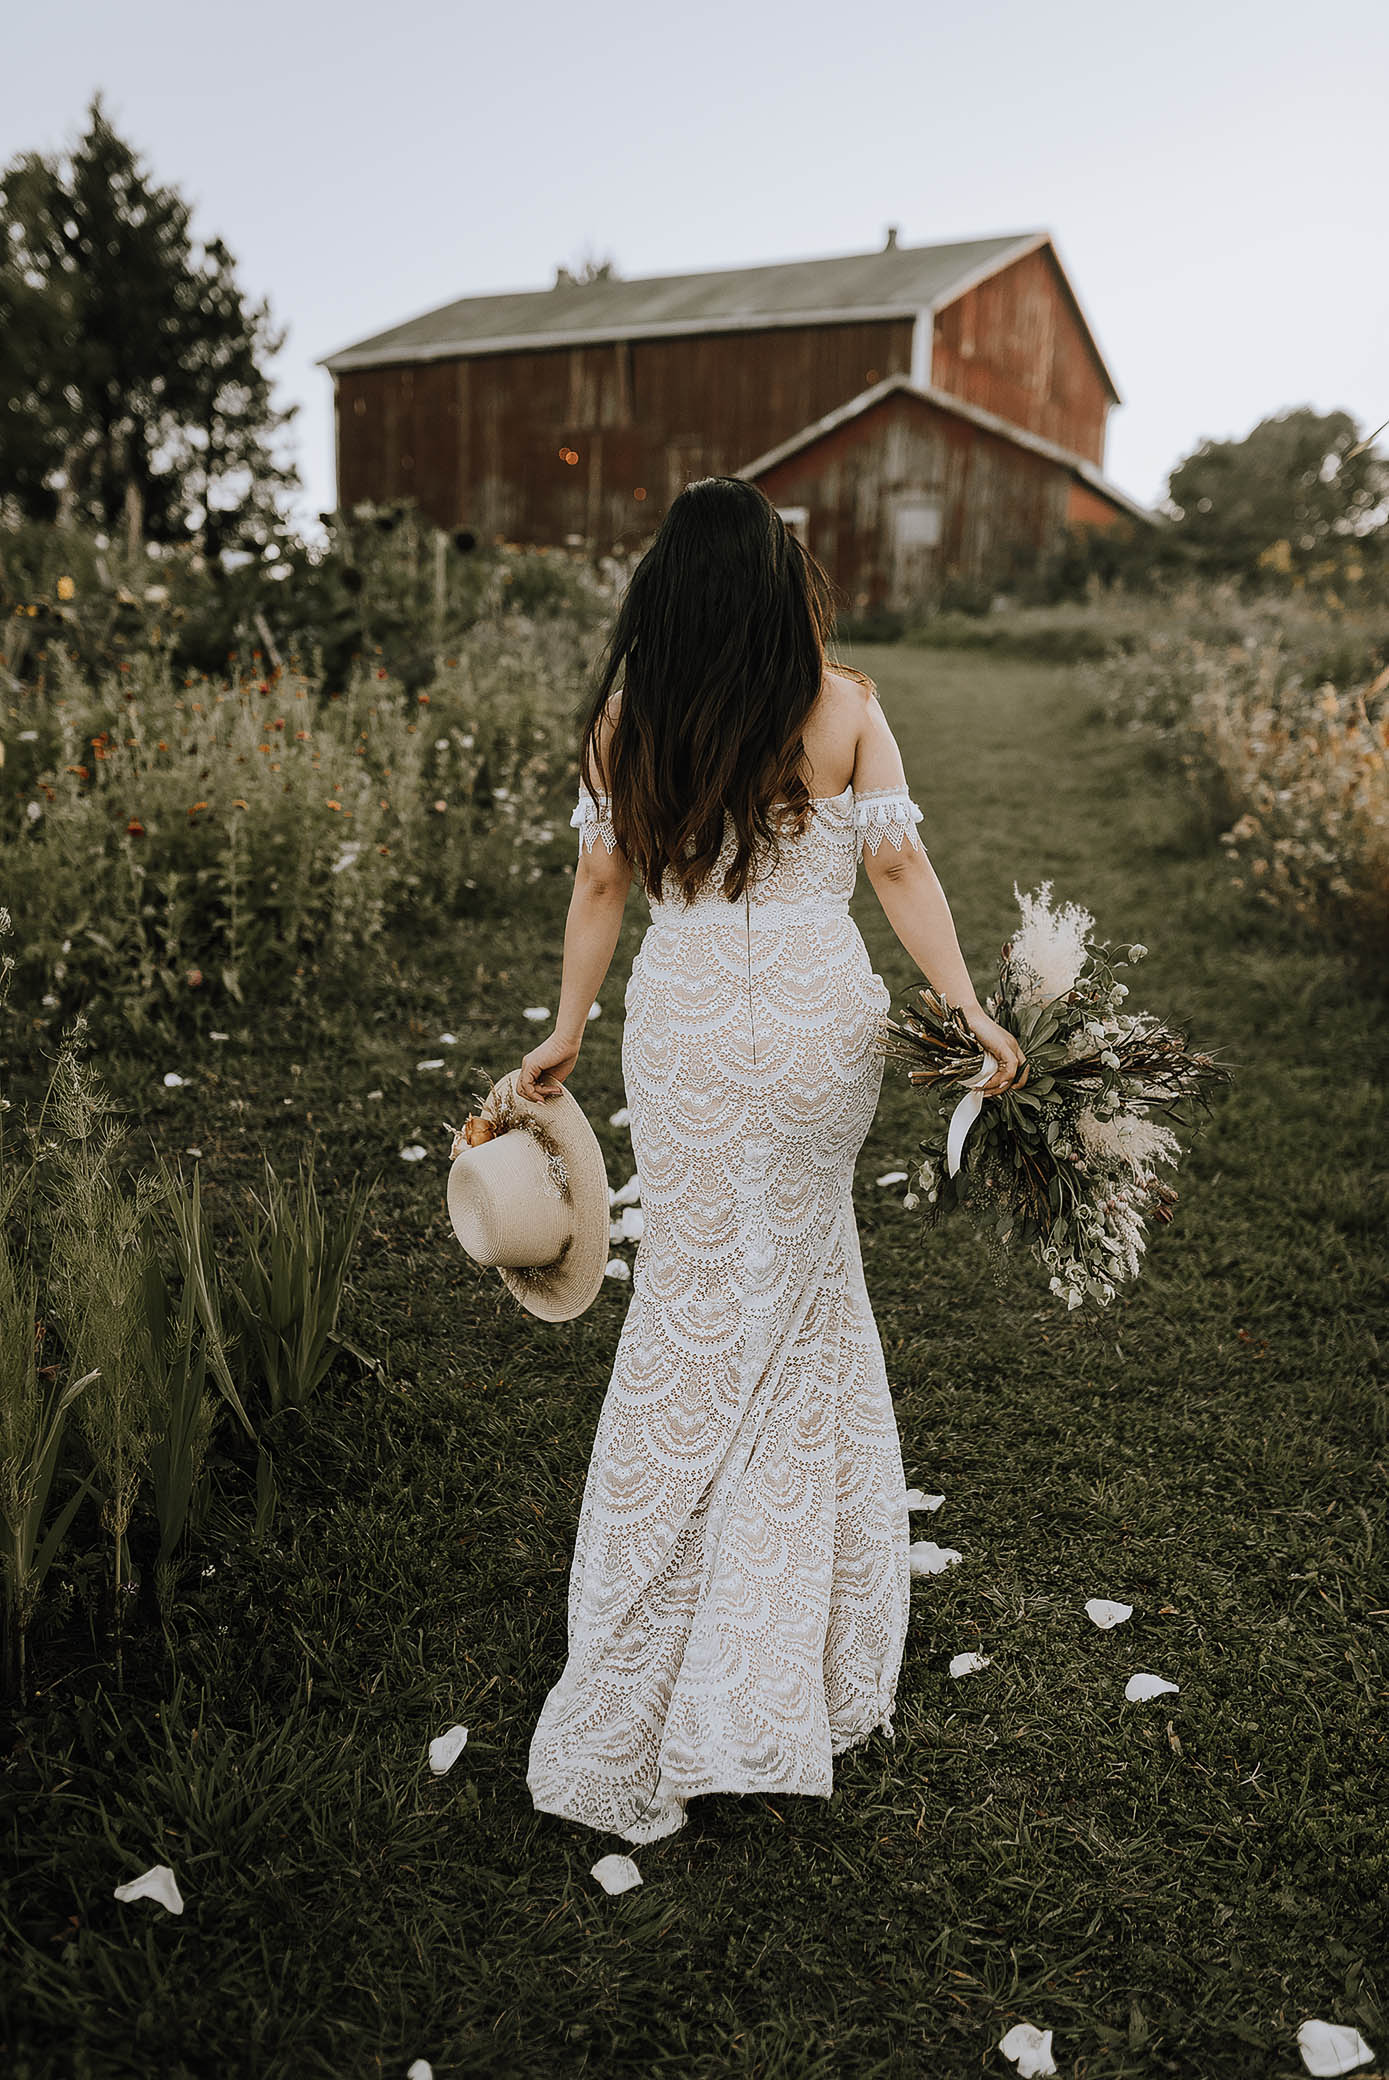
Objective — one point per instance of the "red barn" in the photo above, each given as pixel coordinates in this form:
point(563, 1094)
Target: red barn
point(918, 413)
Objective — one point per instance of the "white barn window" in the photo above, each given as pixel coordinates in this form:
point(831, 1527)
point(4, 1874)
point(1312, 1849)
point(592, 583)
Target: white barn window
point(797, 518)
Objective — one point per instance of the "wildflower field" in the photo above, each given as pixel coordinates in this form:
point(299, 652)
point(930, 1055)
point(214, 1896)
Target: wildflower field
point(319, 1509)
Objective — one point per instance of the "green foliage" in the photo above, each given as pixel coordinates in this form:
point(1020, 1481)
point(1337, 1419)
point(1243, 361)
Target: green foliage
point(1292, 500)
point(184, 852)
point(286, 1296)
point(134, 391)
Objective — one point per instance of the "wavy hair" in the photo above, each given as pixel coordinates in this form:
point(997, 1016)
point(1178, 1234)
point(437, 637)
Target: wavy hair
point(721, 642)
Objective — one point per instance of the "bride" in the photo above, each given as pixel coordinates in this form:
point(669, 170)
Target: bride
point(738, 1595)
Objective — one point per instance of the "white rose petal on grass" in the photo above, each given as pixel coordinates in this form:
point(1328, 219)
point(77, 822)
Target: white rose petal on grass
point(1106, 1614)
point(536, 1013)
point(595, 1011)
point(158, 1883)
point(448, 1039)
point(414, 1153)
point(616, 1232)
point(446, 1749)
point(1141, 1686)
point(420, 2070)
point(926, 1557)
point(172, 1080)
point(1030, 2050)
point(28, 736)
point(632, 1224)
point(1331, 2047)
point(916, 1500)
point(621, 1118)
point(376, 1094)
point(968, 1664)
point(616, 1873)
point(628, 1195)
point(436, 1063)
point(34, 811)
point(893, 1177)
point(615, 1268)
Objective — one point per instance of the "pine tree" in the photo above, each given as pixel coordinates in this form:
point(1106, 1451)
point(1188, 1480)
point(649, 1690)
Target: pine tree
point(133, 386)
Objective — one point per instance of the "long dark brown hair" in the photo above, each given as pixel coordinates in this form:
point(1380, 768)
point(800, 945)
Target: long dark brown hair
point(721, 641)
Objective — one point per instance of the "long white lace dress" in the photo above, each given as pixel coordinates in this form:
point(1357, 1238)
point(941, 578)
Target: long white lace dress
point(739, 1590)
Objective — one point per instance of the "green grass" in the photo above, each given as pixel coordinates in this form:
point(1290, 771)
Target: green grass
point(1172, 1887)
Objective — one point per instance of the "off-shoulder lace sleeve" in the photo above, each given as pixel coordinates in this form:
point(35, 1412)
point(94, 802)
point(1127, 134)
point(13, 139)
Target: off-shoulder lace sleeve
point(592, 821)
point(887, 812)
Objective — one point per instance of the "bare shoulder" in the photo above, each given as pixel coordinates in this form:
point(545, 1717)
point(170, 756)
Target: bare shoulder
point(834, 728)
point(602, 739)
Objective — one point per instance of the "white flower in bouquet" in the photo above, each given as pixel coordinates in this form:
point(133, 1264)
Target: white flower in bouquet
point(1127, 1136)
point(1049, 949)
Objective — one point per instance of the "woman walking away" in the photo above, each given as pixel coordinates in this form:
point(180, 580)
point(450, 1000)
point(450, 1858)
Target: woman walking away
point(739, 1590)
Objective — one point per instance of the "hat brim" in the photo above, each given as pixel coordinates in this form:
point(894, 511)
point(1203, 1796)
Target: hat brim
point(561, 1294)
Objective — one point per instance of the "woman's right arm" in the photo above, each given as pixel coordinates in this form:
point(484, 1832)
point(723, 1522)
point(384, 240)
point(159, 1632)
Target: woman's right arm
point(915, 904)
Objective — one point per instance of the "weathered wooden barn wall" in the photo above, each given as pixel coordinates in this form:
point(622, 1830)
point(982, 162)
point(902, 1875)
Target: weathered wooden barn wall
point(1086, 508)
point(478, 440)
point(1015, 345)
point(905, 495)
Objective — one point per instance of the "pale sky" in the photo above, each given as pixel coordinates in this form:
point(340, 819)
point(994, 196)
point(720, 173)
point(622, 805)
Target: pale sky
point(1212, 171)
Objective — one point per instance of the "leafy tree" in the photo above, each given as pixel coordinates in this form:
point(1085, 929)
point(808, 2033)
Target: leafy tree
point(133, 391)
point(1290, 497)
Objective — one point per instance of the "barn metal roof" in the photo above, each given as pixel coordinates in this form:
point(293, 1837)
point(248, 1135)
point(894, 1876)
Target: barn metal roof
point(944, 400)
point(893, 281)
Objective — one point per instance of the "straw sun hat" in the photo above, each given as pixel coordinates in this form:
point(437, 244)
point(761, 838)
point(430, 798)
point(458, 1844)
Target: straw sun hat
point(528, 1196)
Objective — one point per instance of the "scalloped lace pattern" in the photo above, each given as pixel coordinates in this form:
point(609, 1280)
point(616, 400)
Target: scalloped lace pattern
point(739, 1590)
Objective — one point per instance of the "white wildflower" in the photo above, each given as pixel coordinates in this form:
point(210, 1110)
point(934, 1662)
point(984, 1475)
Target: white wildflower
point(34, 811)
point(1048, 952)
point(911, 1201)
point(28, 736)
point(348, 855)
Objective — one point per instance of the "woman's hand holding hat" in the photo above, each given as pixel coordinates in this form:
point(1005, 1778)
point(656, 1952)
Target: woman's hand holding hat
point(544, 1069)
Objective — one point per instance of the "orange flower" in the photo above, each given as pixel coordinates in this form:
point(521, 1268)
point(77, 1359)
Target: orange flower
point(195, 976)
point(135, 829)
point(335, 805)
point(195, 808)
point(66, 588)
point(239, 804)
point(423, 699)
point(301, 734)
point(81, 772)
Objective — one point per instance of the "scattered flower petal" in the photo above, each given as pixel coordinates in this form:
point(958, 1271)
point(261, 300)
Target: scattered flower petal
point(172, 1080)
point(927, 1557)
point(615, 1268)
point(632, 1224)
point(1029, 2049)
point(595, 1011)
point(414, 1153)
point(1141, 1686)
point(1331, 2047)
point(448, 1039)
point(968, 1664)
point(156, 1883)
point(28, 736)
point(616, 1873)
point(615, 1232)
point(628, 1195)
point(1107, 1614)
point(621, 1118)
point(420, 2070)
point(445, 1751)
point(192, 1151)
point(34, 811)
point(893, 1177)
point(916, 1500)
point(219, 1036)
point(436, 1063)
point(376, 1094)
point(536, 1012)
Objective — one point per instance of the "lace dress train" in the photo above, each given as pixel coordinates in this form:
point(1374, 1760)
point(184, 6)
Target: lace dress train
point(739, 1591)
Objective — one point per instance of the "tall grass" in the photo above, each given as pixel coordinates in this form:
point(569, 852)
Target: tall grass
point(181, 849)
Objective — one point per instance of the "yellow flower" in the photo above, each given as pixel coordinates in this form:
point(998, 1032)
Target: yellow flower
point(66, 588)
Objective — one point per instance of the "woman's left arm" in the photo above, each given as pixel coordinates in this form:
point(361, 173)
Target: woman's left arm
point(601, 882)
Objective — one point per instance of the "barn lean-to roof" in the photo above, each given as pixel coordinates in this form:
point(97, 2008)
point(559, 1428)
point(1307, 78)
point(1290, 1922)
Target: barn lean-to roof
point(891, 282)
point(945, 400)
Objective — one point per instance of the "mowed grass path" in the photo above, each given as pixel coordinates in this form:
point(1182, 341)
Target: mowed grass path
point(1170, 1886)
